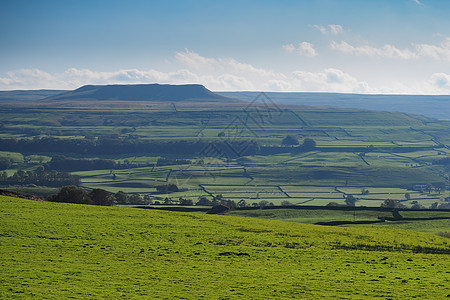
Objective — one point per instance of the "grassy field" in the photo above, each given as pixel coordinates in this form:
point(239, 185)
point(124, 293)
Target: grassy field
point(311, 216)
point(51, 250)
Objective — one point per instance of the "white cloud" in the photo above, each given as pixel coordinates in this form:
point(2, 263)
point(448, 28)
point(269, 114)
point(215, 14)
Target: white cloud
point(321, 28)
point(289, 48)
point(441, 81)
point(194, 60)
point(387, 51)
point(417, 2)
point(439, 52)
point(225, 74)
point(333, 29)
point(32, 77)
point(329, 80)
point(304, 48)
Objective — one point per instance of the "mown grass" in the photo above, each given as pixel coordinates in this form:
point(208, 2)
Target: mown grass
point(52, 250)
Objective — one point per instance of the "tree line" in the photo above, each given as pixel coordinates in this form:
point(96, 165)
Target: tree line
point(67, 164)
point(109, 145)
point(39, 177)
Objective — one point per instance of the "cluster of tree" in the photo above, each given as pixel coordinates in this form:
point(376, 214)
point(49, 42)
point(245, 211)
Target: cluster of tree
point(389, 203)
point(292, 140)
point(168, 162)
point(167, 188)
point(436, 205)
point(67, 164)
point(116, 145)
point(217, 200)
point(134, 199)
point(350, 200)
point(39, 177)
point(438, 187)
point(5, 163)
point(74, 194)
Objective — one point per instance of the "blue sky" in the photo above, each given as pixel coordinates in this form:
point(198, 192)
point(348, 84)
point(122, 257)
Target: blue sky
point(379, 46)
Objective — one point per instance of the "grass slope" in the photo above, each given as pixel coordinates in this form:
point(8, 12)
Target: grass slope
point(51, 250)
point(310, 216)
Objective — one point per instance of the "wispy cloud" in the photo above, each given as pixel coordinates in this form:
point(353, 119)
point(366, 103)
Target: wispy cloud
point(304, 48)
point(438, 52)
point(333, 29)
point(417, 2)
point(387, 51)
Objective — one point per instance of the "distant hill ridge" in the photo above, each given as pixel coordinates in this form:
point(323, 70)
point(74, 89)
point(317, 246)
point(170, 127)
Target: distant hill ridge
point(143, 92)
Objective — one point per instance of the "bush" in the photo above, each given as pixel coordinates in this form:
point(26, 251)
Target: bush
point(290, 140)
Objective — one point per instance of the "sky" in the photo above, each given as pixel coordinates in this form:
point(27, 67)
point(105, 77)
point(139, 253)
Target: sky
point(348, 46)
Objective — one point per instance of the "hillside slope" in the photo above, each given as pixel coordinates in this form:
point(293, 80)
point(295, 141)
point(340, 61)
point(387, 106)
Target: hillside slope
point(433, 106)
point(142, 92)
point(53, 250)
point(28, 95)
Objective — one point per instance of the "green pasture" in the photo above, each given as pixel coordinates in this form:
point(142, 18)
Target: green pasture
point(392, 163)
point(311, 216)
point(60, 251)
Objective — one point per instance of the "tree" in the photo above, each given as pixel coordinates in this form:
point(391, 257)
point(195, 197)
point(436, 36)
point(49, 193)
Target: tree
point(333, 204)
point(429, 188)
point(263, 203)
point(290, 140)
point(434, 205)
point(308, 144)
point(229, 203)
point(417, 206)
point(121, 197)
point(203, 201)
point(101, 197)
point(167, 188)
point(439, 187)
point(286, 203)
point(444, 206)
point(71, 194)
point(148, 199)
point(408, 196)
point(183, 201)
point(242, 203)
point(350, 200)
point(136, 199)
point(389, 203)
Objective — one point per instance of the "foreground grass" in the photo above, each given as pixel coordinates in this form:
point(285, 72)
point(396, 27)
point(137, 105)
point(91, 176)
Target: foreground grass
point(51, 250)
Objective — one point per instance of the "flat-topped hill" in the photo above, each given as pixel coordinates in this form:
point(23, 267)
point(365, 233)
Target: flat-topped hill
point(143, 92)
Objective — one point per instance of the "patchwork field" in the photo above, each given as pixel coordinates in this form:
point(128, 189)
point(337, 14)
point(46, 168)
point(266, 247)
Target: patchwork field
point(53, 250)
point(354, 149)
